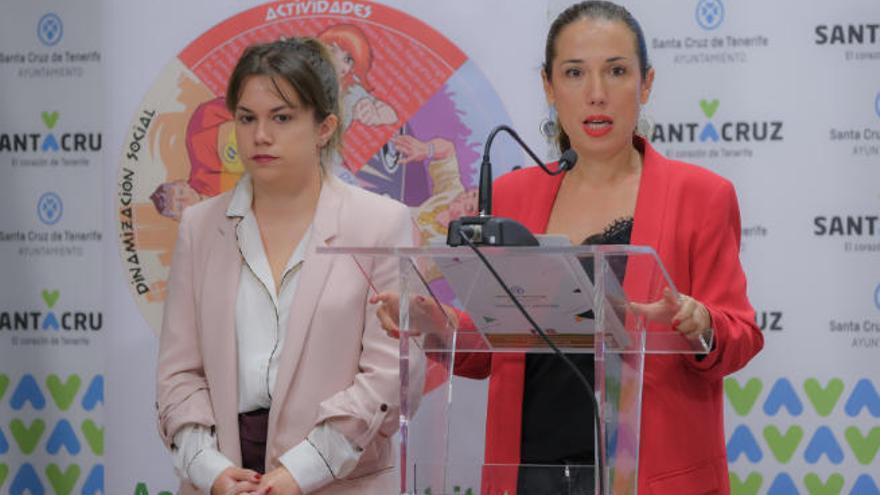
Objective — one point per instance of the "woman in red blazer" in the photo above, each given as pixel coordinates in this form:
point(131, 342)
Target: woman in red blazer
point(597, 76)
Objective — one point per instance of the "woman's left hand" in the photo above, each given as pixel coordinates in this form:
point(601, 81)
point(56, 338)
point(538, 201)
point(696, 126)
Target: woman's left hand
point(278, 482)
point(684, 313)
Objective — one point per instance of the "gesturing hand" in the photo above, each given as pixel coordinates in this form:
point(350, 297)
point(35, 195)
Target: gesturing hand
point(426, 316)
point(684, 313)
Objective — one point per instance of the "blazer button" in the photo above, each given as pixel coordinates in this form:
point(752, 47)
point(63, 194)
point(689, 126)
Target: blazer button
point(383, 407)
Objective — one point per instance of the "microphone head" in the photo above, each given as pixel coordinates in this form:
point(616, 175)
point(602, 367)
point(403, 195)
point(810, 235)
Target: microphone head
point(568, 160)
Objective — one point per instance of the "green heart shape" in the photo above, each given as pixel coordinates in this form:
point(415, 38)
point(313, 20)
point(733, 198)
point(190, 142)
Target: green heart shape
point(94, 436)
point(823, 399)
point(63, 393)
point(742, 398)
point(50, 119)
point(709, 107)
point(50, 298)
point(783, 446)
point(4, 471)
point(864, 447)
point(816, 487)
point(4, 383)
point(750, 486)
point(62, 482)
point(27, 437)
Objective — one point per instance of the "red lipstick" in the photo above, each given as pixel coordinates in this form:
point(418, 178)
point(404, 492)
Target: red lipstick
point(597, 125)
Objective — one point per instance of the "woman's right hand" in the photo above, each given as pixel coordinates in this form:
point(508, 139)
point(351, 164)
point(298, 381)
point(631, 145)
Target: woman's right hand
point(426, 316)
point(234, 480)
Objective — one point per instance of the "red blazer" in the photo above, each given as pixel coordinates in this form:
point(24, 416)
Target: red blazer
point(690, 216)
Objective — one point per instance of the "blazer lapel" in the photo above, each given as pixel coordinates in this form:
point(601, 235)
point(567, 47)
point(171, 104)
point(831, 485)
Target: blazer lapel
point(313, 277)
point(648, 223)
point(220, 291)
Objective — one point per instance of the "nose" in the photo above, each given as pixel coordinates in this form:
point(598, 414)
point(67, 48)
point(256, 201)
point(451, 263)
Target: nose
point(596, 91)
point(262, 133)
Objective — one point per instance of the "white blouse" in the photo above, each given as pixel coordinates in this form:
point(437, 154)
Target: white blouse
point(261, 316)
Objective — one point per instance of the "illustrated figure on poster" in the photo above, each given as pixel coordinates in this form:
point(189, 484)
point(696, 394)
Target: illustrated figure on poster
point(429, 164)
point(213, 158)
point(354, 58)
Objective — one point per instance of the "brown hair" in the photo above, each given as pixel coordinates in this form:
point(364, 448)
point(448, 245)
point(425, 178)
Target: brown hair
point(592, 9)
point(304, 63)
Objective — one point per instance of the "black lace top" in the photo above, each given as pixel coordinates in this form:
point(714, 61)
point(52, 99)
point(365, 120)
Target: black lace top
point(557, 414)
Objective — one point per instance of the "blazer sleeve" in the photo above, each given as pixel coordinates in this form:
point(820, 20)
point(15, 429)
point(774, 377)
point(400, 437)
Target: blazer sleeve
point(719, 283)
point(181, 387)
point(371, 405)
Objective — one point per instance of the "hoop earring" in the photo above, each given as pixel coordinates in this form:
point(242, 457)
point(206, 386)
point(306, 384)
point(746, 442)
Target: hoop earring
point(645, 126)
point(549, 126)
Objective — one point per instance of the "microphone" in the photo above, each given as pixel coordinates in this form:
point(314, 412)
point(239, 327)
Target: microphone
point(498, 231)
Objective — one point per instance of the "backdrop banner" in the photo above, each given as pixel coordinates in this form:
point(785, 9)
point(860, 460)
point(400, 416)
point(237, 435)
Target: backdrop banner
point(111, 112)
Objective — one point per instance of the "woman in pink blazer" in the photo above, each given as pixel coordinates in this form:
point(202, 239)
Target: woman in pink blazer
point(274, 374)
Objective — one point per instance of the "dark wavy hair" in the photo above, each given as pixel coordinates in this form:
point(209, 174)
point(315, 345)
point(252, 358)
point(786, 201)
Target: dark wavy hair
point(592, 9)
point(305, 63)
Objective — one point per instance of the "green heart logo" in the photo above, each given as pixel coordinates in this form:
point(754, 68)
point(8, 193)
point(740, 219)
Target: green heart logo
point(4, 383)
point(27, 437)
point(4, 470)
point(816, 487)
point(823, 399)
point(50, 298)
point(62, 482)
point(742, 398)
point(864, 447)
point(709, 107)
point(783, 446)
point(94, 436)
point(748, 487)
point(63, 393)
point(50, 119)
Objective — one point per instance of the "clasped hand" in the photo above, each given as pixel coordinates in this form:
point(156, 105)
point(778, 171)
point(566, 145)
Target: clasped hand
point(236, 481)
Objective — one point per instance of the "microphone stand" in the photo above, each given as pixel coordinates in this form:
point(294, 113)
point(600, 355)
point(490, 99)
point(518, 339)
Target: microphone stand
point(486, 230)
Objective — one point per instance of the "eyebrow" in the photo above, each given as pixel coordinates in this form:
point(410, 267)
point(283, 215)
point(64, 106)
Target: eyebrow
point(607, 60)
point(276, 109)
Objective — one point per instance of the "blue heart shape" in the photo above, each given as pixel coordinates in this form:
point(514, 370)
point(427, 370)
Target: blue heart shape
point(27, 391)
point(94, 394)
point(94, 483)
point(864, 485)
point(63, 436)
point(26, 479)
point(743, 442)
point(783, 485)
point(4, 445)
point(783, 395)
point(823, 442)
point(864, 395)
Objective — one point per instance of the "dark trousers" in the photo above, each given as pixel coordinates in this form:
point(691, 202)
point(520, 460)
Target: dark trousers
point(252, 431)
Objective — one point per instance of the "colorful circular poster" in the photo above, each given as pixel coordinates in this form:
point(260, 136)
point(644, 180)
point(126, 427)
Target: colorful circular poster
point(415, 112)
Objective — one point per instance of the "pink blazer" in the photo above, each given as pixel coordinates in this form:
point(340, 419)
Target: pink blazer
point(337, 365)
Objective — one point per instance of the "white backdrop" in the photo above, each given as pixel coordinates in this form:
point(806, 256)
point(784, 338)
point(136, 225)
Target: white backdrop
point(783, 100)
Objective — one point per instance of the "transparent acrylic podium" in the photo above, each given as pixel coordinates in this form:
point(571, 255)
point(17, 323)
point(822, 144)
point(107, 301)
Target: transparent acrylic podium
point(455, 318)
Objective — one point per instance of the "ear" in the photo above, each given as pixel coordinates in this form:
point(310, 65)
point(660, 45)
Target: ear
point(647, 84)
point(548, 88)
point(327, 128)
